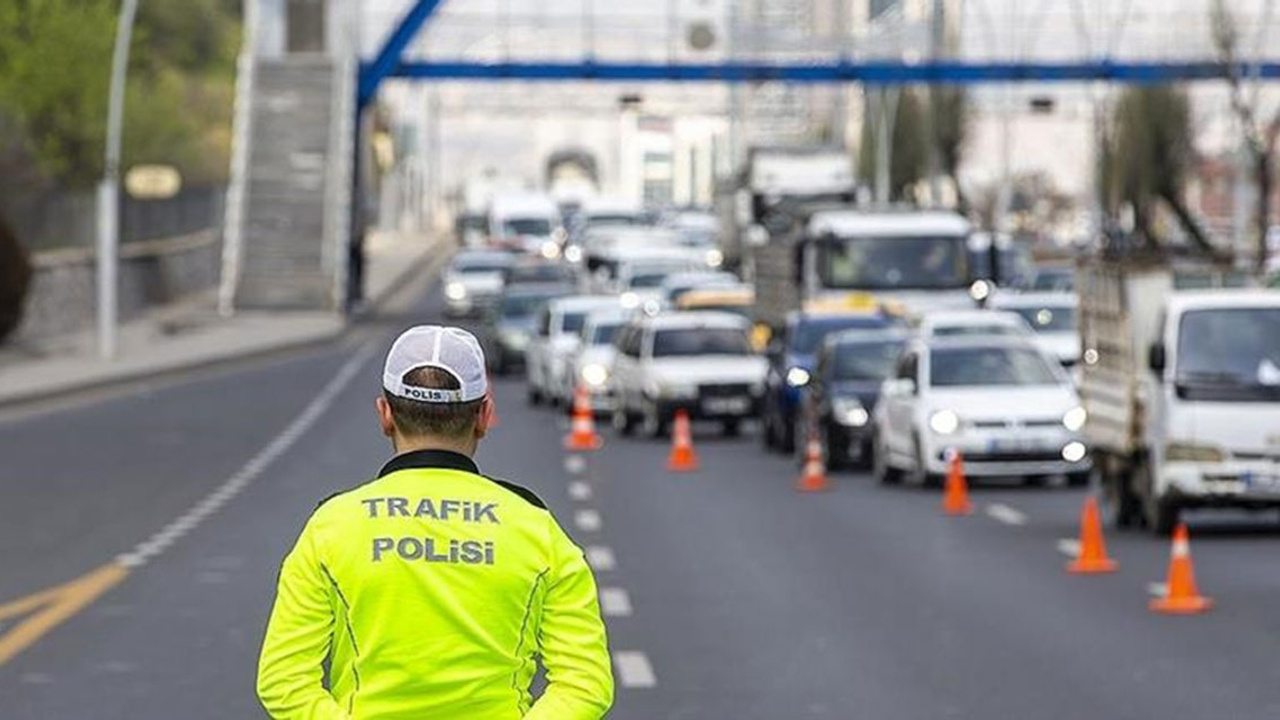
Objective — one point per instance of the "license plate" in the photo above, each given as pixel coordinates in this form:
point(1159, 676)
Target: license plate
point(725, 406)
point(1014, 444)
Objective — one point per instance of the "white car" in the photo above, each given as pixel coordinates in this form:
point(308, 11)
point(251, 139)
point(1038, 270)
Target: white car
point(474, 280)
point(970, 323)
point(555, 337)
point(591, 364)
point(1005, 406)
point(639, 275)
point(1053, 318)
point(699, 362)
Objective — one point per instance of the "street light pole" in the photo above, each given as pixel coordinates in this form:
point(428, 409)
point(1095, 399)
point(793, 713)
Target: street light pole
point(109, 188)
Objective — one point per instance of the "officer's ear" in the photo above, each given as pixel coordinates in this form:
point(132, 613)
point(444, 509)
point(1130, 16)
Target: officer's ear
point(486, 417)
point(385, 419)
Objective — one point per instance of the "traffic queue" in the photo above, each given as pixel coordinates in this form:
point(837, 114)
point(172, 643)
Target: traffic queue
point(874, 334)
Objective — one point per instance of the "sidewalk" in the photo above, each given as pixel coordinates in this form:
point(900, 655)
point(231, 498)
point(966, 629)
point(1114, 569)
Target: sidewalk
point(191, 333)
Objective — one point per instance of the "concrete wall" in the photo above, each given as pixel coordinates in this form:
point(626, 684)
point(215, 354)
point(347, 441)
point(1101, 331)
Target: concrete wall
point(153, 273)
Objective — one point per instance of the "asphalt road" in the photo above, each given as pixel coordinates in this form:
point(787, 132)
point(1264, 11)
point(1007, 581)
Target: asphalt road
point(729, 595)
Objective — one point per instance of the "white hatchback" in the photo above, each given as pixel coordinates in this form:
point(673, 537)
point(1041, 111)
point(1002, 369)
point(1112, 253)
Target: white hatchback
point(556, 336)
point(698, 362)
point(1002, 403)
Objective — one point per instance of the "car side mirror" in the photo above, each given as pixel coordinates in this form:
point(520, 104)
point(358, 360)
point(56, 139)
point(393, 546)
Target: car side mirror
point(1156, 358)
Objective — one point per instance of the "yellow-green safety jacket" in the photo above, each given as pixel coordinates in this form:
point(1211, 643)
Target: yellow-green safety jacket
point(431, 590)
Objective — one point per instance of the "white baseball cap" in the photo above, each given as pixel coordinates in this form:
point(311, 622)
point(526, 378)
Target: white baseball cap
point(450, 349)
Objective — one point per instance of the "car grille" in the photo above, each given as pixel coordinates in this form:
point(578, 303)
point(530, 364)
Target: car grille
point(1007, 424)
point(714, 390)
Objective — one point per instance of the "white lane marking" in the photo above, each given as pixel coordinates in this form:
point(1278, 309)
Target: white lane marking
point(634, 670)
point(1158, 589)
point(588, 520)
point(1069, 547)
point(615, 602)
point(1005, 514)
point(579, 490)
point(159, 542)
point(601, 558)
point(575, 464)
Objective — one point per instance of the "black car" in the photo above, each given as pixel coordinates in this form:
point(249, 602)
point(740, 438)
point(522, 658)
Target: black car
point(509, 324)
point(844, 389)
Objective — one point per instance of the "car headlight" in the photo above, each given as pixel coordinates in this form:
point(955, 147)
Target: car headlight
point(1074, 451)
point(715, 258)
point(514, 338)
point(455, 291)
point(980, 290)
point(798, 377)
point(1193, 452)
point(594, 374)
point(573, 254)
point(550, 250)
point(944, 422)
point(1074, 418)
point(849, 411)
point(629, 300)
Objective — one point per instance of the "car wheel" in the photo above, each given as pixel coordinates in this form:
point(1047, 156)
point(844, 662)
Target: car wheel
point(1123, 507)
point(651, 422)
point(835, 446)
point(623, 421)
point(880, 468)
point(787, 435)
point(732, 427)
point(534, 396)
point(1078, 479)
point(766, 431)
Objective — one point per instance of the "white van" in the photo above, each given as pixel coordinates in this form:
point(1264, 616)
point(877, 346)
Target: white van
point(526, 221)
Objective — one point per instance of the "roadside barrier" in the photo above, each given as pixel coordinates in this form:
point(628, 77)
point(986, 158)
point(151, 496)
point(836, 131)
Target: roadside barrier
point(1181, 597)
point(1092, 559)
point(955, 495)
point(582, 431)
point(682, 457)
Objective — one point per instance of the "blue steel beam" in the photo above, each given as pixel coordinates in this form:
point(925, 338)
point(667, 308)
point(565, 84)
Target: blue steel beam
point(388, 58)
point(875, 73)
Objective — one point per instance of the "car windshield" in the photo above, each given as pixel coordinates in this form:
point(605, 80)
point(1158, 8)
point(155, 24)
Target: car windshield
point(700, 341)
point(477, 267)
point(865, 360)
point(1054, 280)
point(614, 219)
point(972, 329)
point(808, 333)
point(572, 322)
point(539, 273)
point(526, 226)
point(897, 263)
point(1230, 354)
point(979, 366)
point(648, 279)
point(515, 306)
point(604, 333)
point(1049, 318)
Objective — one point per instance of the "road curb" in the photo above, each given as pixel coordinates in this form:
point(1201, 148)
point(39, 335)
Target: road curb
point(430, 257)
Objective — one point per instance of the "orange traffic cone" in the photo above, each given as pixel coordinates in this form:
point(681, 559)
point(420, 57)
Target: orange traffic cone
point(1181, 595)
point(682, 457)
point(1093, 549)
point(582, 431)
point(814, 476)
point(955, 496)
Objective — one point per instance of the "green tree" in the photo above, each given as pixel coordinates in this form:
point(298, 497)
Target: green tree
point(909, 160)
point(1148, 158)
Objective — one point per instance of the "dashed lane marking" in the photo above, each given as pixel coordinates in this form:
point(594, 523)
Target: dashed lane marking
point(615, 602)
point(1005, 514)
point(575, 464)
point(601, 558)
point(159, 542)
point(634, 670)
point(579, 490)
point(38, 613)
point(1069, 547)
point(588, 520)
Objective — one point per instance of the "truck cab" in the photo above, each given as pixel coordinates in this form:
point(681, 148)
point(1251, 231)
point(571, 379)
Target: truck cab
point(1183, 395)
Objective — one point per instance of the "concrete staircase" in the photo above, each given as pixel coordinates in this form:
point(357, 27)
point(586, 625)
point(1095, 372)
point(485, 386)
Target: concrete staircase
point(296, 186)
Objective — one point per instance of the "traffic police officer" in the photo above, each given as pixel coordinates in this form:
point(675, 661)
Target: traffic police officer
point(432, 589)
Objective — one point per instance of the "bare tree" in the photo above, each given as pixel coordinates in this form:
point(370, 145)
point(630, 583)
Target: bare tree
point(1260, 134)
